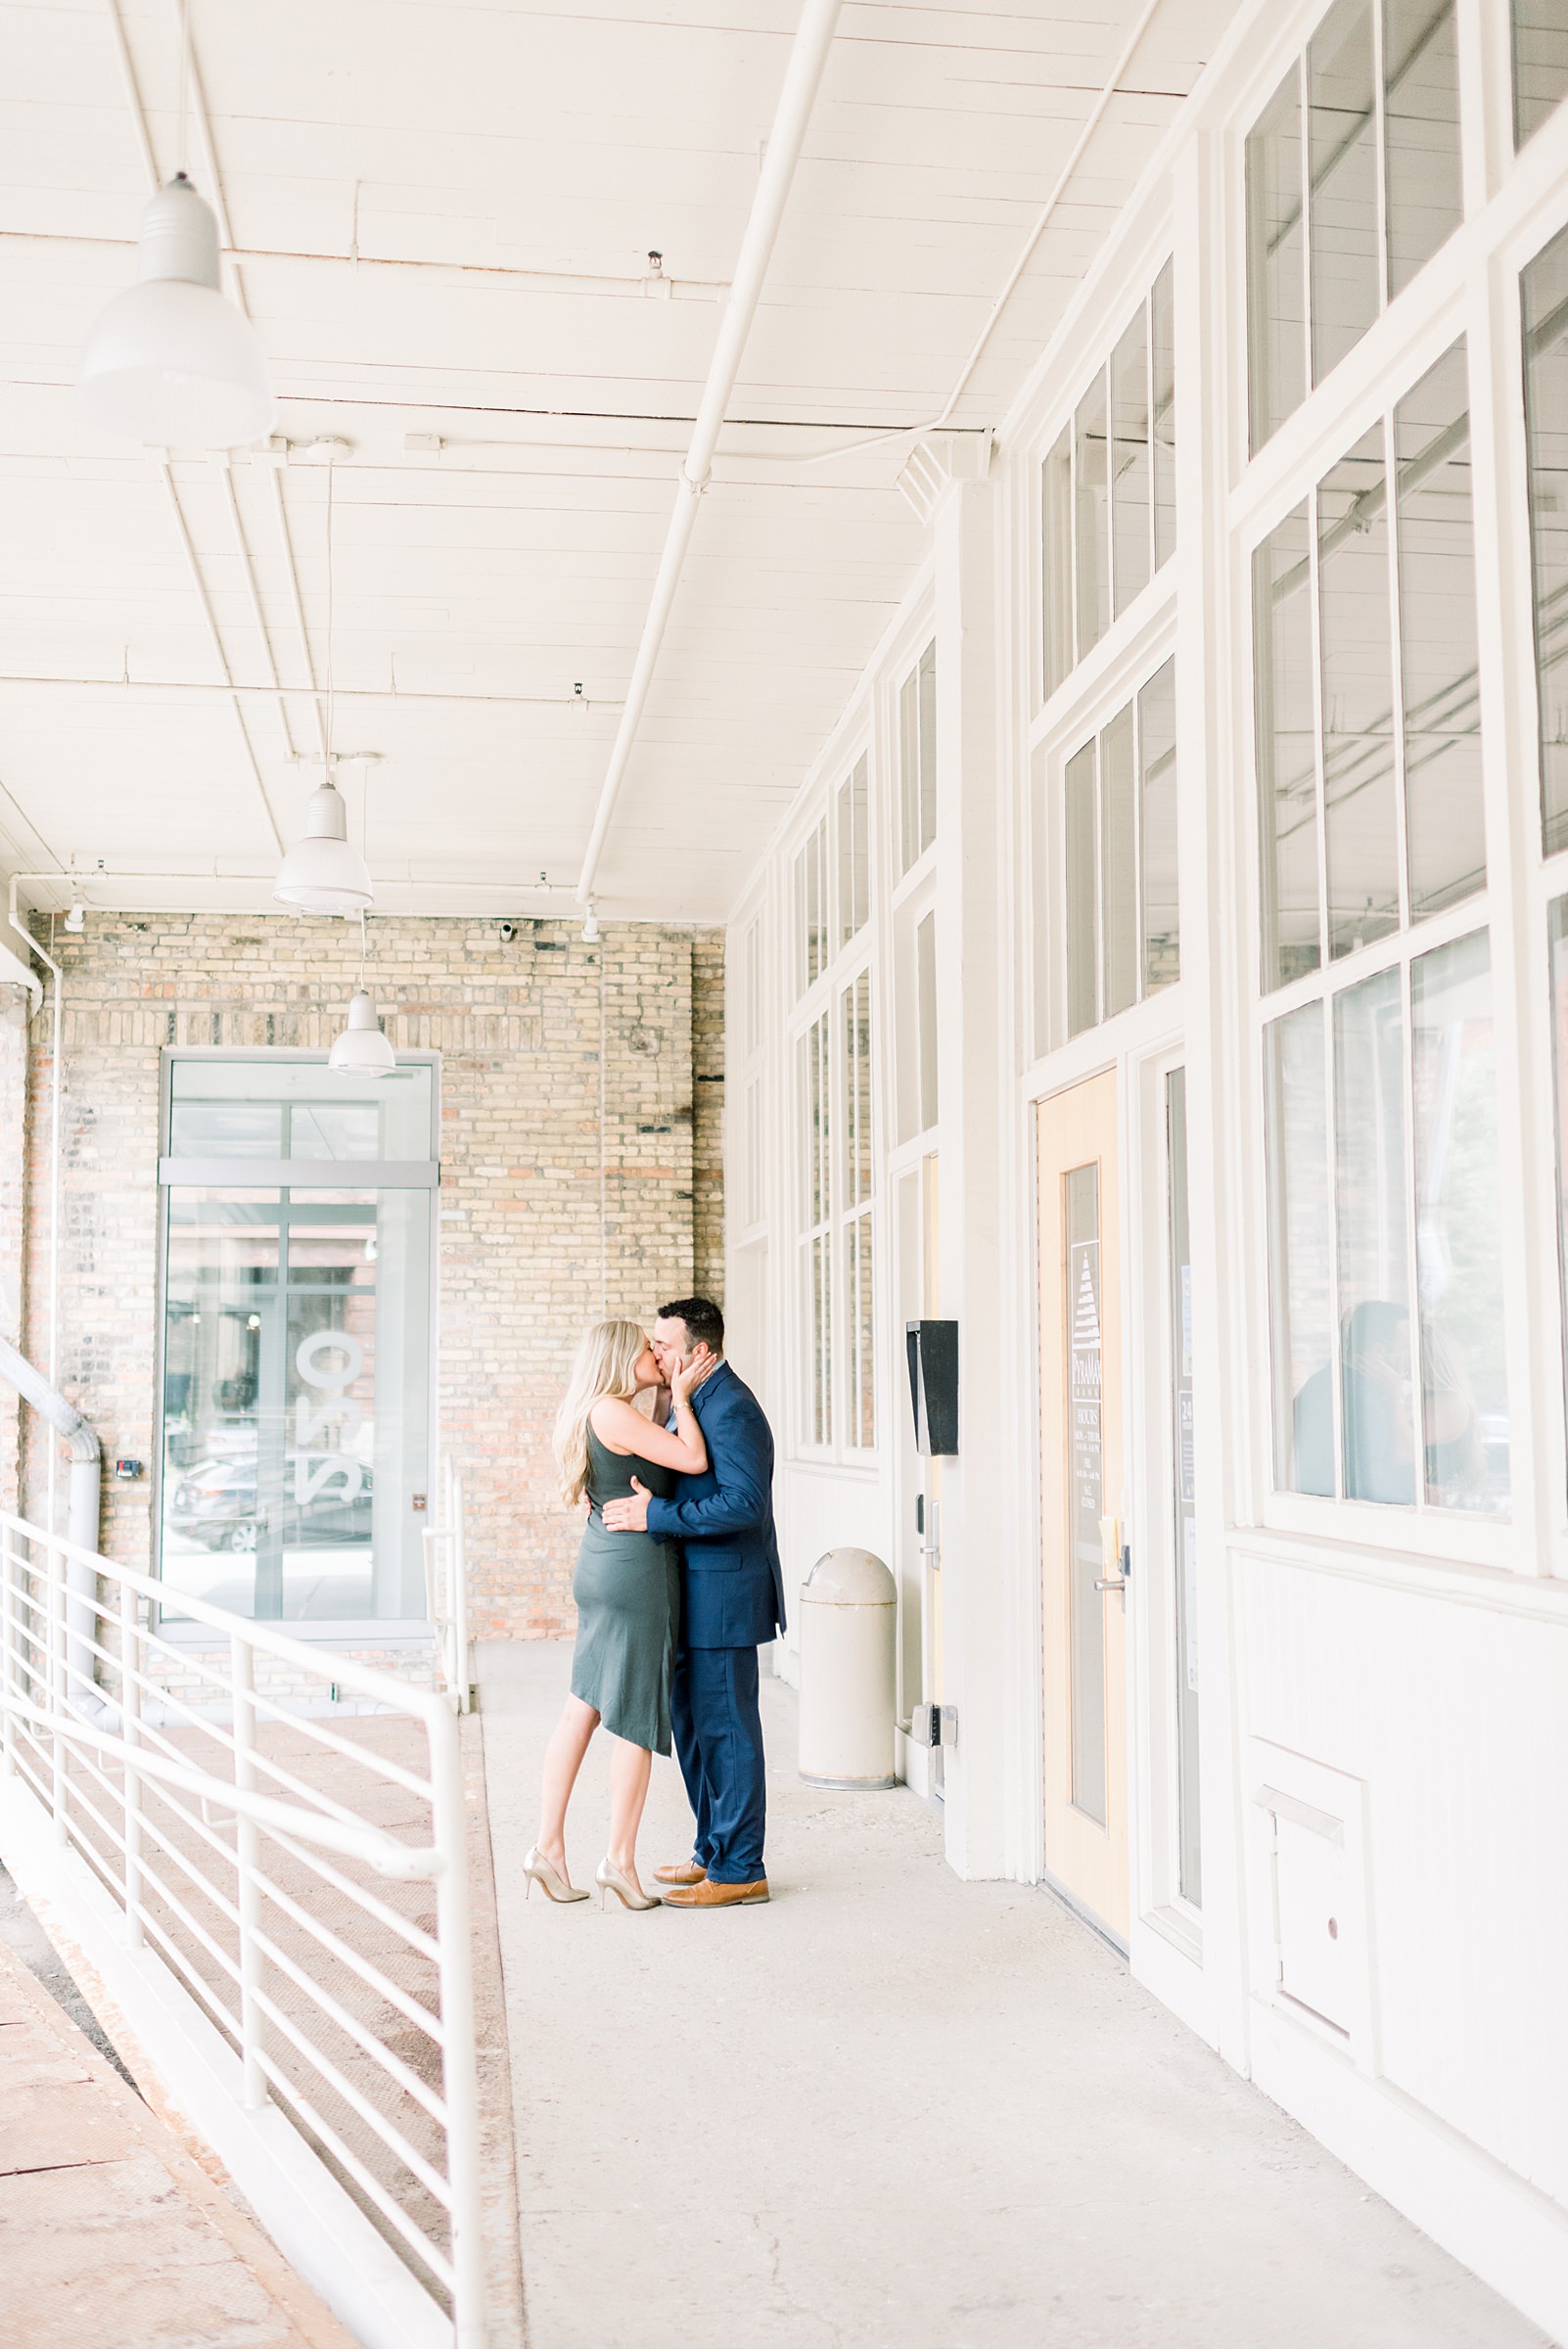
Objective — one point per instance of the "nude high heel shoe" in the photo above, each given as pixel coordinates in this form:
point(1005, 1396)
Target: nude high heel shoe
point(609, 1878)
point(538, 1870)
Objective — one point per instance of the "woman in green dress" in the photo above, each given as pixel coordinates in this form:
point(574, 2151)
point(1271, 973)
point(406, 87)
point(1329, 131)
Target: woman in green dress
point(627, 1592)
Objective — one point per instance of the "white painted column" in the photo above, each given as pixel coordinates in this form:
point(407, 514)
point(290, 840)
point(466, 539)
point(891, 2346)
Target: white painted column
point(979, 1609)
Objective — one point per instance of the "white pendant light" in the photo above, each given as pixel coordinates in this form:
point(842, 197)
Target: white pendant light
point(322, 873)
point(172, 361)
point(362, 1050)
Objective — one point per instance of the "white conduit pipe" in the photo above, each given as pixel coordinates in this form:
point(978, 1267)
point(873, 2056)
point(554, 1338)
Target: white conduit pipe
point(58, 1045)
point(813, 40)
point(81, 1513)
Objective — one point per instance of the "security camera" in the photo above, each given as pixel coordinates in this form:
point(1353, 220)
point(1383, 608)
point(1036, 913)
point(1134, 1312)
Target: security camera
point(507, 931)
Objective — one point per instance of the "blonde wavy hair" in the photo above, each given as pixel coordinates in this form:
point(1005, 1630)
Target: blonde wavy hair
point(604, 1363)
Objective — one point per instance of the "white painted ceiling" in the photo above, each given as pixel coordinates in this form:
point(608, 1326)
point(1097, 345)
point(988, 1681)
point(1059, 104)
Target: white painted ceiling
point(442, 212)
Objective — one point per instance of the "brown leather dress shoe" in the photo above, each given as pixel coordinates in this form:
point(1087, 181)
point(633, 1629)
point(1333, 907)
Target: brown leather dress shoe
point(685, 1872)
point(709, 1895)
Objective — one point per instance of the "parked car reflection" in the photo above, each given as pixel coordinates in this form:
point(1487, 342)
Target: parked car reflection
point(215, 1502)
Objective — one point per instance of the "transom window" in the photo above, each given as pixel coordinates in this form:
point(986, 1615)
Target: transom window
point(1543, 301)
point(917, 761)
point(833, 879)
point(1540, 63)
point(1108, 923)
point(1365, 677)
point(1353, 183)
point(1108, 517)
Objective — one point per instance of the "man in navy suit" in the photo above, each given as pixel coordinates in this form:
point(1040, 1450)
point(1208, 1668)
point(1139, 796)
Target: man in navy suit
point(732, 1601)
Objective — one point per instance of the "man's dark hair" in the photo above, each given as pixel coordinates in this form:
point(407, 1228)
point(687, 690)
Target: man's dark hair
point(705, 1323)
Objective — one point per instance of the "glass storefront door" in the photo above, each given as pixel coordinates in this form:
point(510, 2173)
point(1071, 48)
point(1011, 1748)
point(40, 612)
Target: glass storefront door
point(297, 1342)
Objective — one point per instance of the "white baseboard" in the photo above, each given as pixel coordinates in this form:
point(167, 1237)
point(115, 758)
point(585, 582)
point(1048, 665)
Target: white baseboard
point(1504, 2231)
point(193, 2078)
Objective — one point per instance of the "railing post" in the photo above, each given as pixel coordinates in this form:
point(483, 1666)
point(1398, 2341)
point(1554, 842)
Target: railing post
point(459, 1591)
point(131, 1714)
point(247, 1900)
point(459, 2072)
point(59, 1601)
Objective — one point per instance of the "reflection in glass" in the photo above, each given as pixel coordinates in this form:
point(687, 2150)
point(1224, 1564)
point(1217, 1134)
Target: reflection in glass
point(1377, 1445)
point(296, 1362)
point(1545, 300)
point(1162, 348)
point(1118, 867)
point(860, 1422)
point(1082, 893)
point(1091, 536)
point(1277, 271)
point(917, 760)
point(925, 987)
point(226, 1128)
point(1080, 1203)
point(1190, 1869)
point(1540, 64)
point(1359, 815)
point(811, 907)
point(1286, 751)
point(1557, 935)
point(854, 862)
point(1444, 826)
point(1459, 1256)
point(1157, 826)
point(1056, 548)
point(1131, 469)
point(1300, 1306)
point(1420, 131)
point(1342, 136)
point(815, 1050)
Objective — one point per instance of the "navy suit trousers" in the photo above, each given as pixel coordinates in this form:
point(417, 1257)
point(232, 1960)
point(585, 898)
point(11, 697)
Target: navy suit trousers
point(718, 1737)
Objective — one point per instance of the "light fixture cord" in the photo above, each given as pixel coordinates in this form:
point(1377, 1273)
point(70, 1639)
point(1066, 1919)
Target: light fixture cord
point(332, 772)
point(185, 86)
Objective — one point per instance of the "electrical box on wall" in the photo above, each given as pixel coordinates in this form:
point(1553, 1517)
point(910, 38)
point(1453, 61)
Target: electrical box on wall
point(933, 1348)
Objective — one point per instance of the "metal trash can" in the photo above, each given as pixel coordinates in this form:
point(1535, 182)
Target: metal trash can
point(849, 1611)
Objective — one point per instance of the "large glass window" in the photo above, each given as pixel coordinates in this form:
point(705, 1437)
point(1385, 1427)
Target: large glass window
point(1540, 63)
point(854, 853)
point(917, 760)
point(1108, 489)
point(1373, 104)
point(860, 1416)
point(1367, 729)
point(816, 1049)
point(1120, 937)
point(1545, 301)
point(1385, 1268)
point(295, 1443)
point(813, 917)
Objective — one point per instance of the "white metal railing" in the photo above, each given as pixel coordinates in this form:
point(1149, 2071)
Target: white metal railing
point(300, 1873)
point(446, 1590)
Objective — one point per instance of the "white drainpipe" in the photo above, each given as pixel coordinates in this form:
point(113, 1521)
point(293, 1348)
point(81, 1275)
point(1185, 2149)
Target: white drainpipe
point(813, 40)
point(82, 1517)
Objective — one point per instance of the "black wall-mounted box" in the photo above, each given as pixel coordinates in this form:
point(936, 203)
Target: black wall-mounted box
point(933, 1348)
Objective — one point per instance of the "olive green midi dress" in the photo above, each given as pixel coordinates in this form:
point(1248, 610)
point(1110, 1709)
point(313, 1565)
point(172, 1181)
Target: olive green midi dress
point(627, 1592)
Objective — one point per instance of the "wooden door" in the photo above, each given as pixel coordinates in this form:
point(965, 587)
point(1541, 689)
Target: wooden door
point(1080, 1499)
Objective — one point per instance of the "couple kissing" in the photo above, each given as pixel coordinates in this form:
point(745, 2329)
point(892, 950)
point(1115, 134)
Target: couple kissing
point(677, 1583)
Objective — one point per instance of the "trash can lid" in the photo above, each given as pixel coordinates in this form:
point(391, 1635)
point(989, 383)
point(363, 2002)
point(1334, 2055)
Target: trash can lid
point(850, 1577)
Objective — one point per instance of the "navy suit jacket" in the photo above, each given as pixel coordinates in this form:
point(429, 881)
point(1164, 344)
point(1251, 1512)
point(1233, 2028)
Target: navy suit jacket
point(732, 1583)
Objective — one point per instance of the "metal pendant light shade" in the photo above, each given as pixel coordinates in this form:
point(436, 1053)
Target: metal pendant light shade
point(172, 361)
point(362, 1050)
point(322, 873)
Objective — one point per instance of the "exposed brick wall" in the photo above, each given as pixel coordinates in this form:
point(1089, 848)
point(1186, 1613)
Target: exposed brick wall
point(708, 1129)
point(518, 1024)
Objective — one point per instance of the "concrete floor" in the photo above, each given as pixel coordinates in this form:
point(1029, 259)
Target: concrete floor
point(895, 2108)
point(110, 2235)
